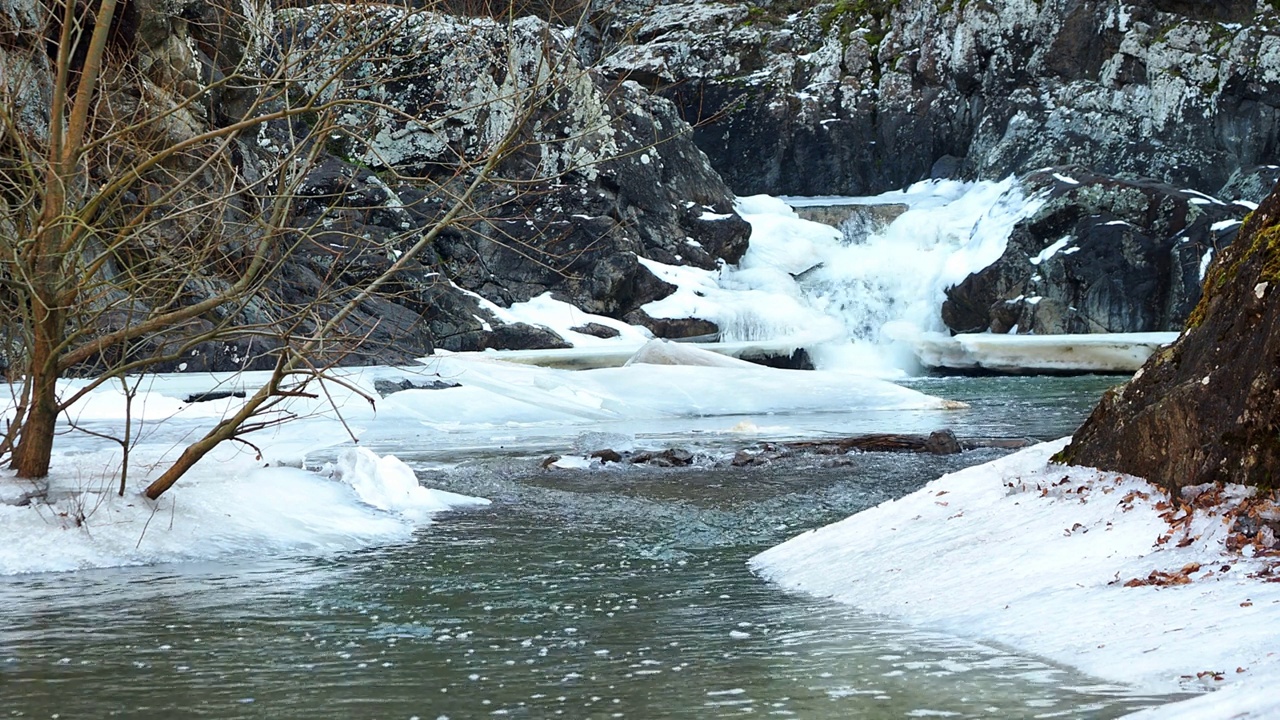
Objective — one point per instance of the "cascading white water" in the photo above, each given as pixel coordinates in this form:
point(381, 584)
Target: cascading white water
point(846, 298)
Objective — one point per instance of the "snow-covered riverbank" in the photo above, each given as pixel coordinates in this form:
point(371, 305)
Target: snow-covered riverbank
point(1090, 569)
point(257, 499)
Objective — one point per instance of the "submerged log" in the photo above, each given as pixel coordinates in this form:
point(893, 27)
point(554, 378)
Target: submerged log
point(938, 442)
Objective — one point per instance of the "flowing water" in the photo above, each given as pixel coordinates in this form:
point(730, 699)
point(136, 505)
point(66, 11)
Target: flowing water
point(609, 593)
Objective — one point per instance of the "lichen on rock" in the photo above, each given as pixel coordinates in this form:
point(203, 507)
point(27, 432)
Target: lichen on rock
point(1207, 409)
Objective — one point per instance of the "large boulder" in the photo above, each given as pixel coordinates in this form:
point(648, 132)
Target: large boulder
point(862, 97)
point(1099, 255)
point(1206, 409)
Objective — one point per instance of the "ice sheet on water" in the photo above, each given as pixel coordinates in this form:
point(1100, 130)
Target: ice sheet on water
point(642, 390)
point(663, 352)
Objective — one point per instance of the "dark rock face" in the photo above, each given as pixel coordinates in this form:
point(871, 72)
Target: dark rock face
point(858, 98)
point(1100, 255)
point(1251, 184)
point(593, 176)
point(1207, 409)
point(627, 183)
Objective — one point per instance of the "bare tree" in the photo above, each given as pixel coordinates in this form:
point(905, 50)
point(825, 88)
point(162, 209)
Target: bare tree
point(151, 183)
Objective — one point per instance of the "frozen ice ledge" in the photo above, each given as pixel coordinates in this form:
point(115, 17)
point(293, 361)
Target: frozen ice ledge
point(976, 353)
point(1028, 354)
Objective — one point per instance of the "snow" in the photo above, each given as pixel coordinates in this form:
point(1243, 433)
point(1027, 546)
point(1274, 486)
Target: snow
point(1052, 250)
point(258, 499)
point(388, 484)
point(227, 506)
point(1036, 556)
point(561, 317)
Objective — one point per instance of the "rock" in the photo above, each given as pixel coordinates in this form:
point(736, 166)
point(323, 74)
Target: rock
point(1100, 255)
point(386, 387)
point(600, 174)
point(870, 96)
point(939, 442)
point(1251, 184)
point(799, 359)
point(627, 182)
point(942, 442)
point(1206, 409)
point(596, 330)
point(213, 395)
point(676, 328)
point(671, 457)
point(607, 456)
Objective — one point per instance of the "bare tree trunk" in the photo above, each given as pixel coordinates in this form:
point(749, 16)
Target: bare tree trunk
point(35, 445)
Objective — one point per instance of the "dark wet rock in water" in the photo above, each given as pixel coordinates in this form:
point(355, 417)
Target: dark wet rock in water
point(597, 330)
point(942, 442)
point(386, 387)
point(607, 456)
point(671, 457)
point(799, 359)
point(939, 442)
point(1100, 255)
point(1207, 408)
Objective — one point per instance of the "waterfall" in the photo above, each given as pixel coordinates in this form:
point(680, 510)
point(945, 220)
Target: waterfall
point(875, 281)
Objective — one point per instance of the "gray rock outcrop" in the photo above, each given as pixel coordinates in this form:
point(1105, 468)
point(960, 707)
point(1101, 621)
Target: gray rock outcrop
point(1100, 255)
point(862, 97)
point(546, 176)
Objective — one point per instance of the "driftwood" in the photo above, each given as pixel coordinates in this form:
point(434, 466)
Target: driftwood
point(213, 395)
point(938, 442)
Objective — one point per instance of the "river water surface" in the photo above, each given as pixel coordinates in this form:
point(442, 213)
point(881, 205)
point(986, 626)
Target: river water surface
point(578, 594)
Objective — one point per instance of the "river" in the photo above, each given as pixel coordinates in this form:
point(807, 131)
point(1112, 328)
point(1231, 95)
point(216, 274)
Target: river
point(579, 594)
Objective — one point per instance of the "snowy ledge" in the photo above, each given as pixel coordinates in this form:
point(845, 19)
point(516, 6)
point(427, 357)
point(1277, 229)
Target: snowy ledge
point(1037, 556)
point(1100, 352)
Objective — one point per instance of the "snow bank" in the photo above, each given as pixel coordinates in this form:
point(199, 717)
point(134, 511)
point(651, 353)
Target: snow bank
point(1036, 556)
point(230, 504)
point(227, 506)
